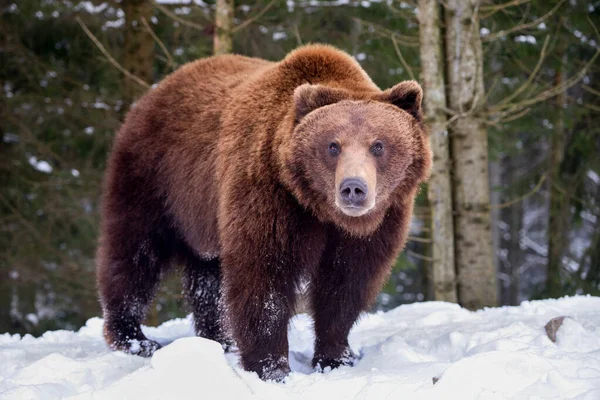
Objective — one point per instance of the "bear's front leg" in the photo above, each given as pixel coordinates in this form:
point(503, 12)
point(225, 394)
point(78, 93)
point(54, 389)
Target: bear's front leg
point(346, 283)
point(259, 306)
point(260, 273)
point(267, 244)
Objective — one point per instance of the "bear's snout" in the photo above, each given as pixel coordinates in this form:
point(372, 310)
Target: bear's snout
point(355, 180)
point(353, 192)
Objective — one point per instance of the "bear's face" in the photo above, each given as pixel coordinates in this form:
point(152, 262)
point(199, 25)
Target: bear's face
point(352, 153)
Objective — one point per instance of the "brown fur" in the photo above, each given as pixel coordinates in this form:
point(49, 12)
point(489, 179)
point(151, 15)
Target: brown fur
point(223, 167)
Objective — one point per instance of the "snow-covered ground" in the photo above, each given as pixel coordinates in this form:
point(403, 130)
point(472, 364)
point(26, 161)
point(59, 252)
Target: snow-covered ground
point(496, 353)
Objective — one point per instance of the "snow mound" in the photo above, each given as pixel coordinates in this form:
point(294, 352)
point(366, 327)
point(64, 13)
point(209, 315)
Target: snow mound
point(496, 353)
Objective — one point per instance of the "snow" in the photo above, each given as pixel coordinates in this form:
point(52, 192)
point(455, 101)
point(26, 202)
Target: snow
point(526, 39)
point(90, 7)
point(497, 353)
point(177, 2)
point(593, 176)
point(40, 165)
point(279, 36)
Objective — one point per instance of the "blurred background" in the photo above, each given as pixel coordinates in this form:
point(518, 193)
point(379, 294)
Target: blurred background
point(71, 69)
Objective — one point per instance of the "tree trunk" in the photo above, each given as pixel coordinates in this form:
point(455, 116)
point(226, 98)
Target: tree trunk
point(511, 241)
point(472, 223)
point(139, 47)
point(514, 252)
point(6, 288)
point(223, 37)
point(558, 201)
point(439, 189)
point(495, 173)
point(355, 30)
point(592, 273)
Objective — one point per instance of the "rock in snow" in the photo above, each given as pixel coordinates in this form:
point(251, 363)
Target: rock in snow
point(496, 353)
point(553, 326)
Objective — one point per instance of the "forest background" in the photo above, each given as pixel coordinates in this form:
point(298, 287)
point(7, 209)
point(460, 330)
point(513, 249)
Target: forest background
point(512, 99)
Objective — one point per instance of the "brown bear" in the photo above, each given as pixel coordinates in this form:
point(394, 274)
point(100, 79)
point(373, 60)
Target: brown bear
point(258, 177)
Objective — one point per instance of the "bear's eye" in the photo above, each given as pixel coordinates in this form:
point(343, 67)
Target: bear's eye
point(334, 148)
point(377, 148)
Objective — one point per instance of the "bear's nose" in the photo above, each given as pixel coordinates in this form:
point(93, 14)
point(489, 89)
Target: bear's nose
point(353, 191)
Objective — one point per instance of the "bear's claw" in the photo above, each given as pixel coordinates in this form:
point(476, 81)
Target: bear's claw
point(347, 359)
point(142, 348)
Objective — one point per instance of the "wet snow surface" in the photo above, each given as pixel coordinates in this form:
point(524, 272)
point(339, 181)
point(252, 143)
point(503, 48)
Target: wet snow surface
point(492, 354)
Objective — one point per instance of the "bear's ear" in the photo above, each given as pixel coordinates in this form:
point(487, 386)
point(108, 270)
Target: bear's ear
point(309, 97)
point(406, 95)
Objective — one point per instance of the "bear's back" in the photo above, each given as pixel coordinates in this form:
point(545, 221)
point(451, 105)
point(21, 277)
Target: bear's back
point(168, 141)
point(231, 105)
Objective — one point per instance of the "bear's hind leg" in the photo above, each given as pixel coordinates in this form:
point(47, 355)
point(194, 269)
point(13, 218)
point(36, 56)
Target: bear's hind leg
point(127, 282)
point(202, 287)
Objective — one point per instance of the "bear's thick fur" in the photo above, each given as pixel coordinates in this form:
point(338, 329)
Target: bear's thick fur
point(258, 178)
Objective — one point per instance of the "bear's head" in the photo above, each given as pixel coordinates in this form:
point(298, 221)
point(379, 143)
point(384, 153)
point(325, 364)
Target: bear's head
point(354, 154)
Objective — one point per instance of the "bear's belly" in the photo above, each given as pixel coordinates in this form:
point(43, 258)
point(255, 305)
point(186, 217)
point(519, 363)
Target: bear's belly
point(303, 305)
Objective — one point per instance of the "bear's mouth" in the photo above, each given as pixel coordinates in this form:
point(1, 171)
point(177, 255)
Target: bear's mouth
point(353, 197)
point(352, 210)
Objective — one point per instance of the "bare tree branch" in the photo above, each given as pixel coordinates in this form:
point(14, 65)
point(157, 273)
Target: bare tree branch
point(594, 27)
point(494, 8)
point(547, 94)
point(591, 107)
point(419, 239)
point(109, 57)
point(402, 60)
point(170, 62)
point(531, 77)
point(417, 255)
point(177, 18)
point(407, 13)
point(591, 90)
point(496, 35)
point(405, 40)
point(508, 111)
point(514, 116)
point(536, 188)
point(297, 34)
point(251, 20)
point(39, 145)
